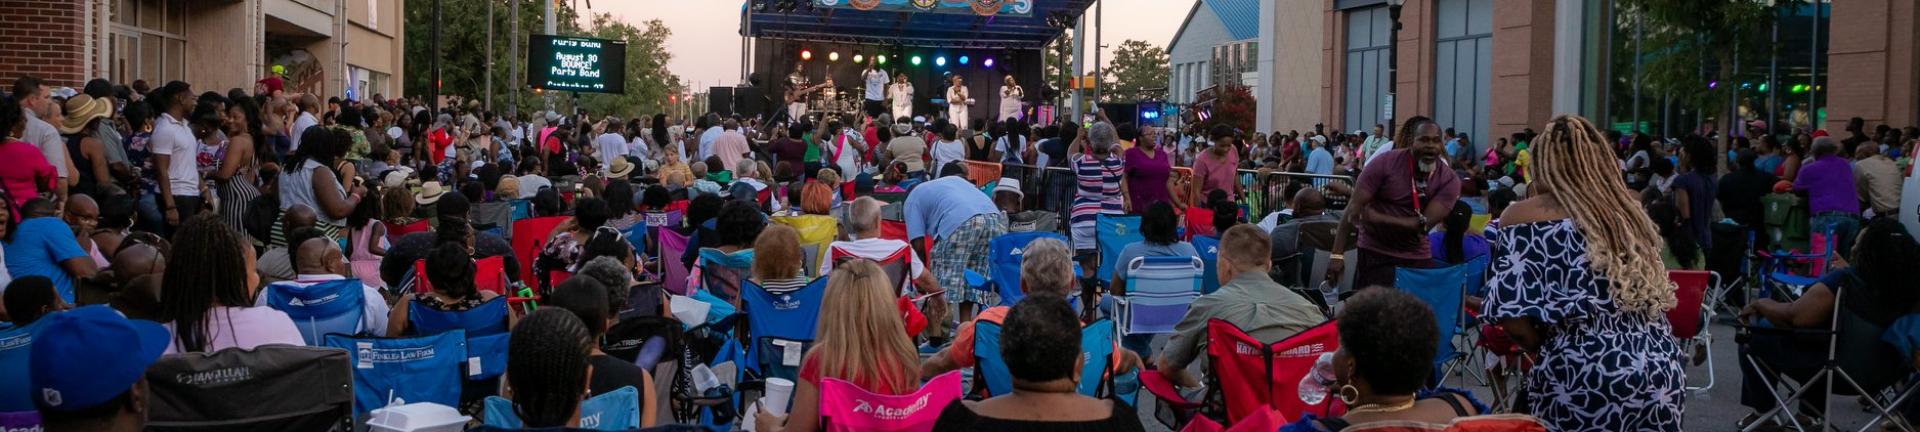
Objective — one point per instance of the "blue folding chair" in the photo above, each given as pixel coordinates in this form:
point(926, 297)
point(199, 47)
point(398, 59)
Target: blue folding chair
point(780, 327)
point(320, 309)
point(1441, 289)
point(616, 410)
point(414, 369)
point(1209, 248)
point(722, 273)
point(15, 394)
point(1777, 268)
point(1112, 235)
point(1003, 264)
point(1098, 342)
point(1159, 290)
point(485, 329)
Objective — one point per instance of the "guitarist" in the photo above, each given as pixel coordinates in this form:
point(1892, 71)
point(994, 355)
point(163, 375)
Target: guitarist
point(797, 90)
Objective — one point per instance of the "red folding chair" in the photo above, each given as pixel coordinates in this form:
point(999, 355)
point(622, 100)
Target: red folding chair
point(1688, 316)
point(394, 232)
point(1199, 222)
point(489, 274)
point(1250, 377)
point(529, 235)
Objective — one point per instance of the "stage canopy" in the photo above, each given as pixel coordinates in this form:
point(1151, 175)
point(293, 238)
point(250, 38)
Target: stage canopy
point(1002, 24)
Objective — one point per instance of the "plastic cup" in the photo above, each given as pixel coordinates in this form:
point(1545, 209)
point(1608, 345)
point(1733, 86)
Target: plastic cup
point(779, 392)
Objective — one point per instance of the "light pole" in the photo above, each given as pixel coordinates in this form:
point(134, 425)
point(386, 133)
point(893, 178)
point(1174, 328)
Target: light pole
point(1393, 61)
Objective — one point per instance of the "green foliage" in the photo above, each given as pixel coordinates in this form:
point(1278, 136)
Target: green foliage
point(1689, 43)
point(1138, 71)
point(648, 80)
point(463, 62)
point(1234, 107)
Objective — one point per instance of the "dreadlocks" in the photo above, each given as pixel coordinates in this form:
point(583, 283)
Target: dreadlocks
point(1573, 162)
point(547, 366)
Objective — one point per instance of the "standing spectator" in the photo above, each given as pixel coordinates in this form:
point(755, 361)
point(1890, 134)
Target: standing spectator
point(1739, 192)
point(1605, 360)
point(1691, 192)
point(1319, 160)
point(711, 129)
point(1878, 180)
point(89, 154)
point(861, 340)
point(960, 221)
point(1097, 171)
point(43, 245)
point(731, 145)
point(1796, 153)
point(308, 105)
point(1216, 169)
point(308, 181)
point(1832, 196)
point(908, 149)
point(1401, 195)
point(42, 113)
point(239, 165)
point(174, 150)
point(211, 307)
point(26, 174)
point(1040, 343)
point(949, 149)
point(1149, 173)
point(1057, 190)
point(608, 142)
point(785, 149)
point(1247, 298)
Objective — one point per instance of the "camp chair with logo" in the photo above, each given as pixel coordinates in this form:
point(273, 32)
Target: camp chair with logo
point(529, 236)
point(722, 273)
point(780, 327)
point(413, 369)
point(1441, 289)
point(1856, 355)
point(1199, 222)
point(845, 407)
point(673, 272)
point(272, 387)
point(320, 309)
point(16, 404)
point(1209, 249)
point(1113, 234)
point(816, 233)
point(617, 410)
point(1099, 346)
point(485, 329)
point(655, 221)
point(1687, 317)
point(1247, 376)
point(1003, 264)
point(1159, 290)
point(395, 232)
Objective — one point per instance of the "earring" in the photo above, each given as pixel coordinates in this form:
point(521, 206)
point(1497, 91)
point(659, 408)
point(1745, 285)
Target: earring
point(1349, 399)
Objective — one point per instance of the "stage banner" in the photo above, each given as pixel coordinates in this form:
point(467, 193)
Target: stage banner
point(1018, 8)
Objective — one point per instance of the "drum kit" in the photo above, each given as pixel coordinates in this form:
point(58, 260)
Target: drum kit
point(834, 101)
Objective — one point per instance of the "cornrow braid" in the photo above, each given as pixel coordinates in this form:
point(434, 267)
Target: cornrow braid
point(1573, 162)
point(547, 367)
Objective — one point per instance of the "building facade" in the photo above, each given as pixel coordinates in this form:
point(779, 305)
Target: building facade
point(1217, 43)
point(213, 44)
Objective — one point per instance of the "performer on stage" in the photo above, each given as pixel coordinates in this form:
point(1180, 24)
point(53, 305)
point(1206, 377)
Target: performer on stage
point(957, 102)
point(1010, 96)
point(902, 94)
point(796, 92)
point(876, 89)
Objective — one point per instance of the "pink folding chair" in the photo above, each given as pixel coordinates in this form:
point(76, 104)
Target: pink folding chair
point(845, 407)
point(672, 246)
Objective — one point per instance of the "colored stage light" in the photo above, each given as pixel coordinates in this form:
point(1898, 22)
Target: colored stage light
point(833, 56)
point(806, 55)
point(880, 58)
point(964, 60)
point(988, 63)
point(916, 60)
point(857, 58)
point(940, 61)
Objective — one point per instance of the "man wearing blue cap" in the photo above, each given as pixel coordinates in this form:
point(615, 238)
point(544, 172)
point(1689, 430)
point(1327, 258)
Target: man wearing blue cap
point(89, 369)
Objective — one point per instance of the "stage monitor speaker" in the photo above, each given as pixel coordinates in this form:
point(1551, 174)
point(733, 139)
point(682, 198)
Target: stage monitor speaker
point(749, 101)
point(720, 100)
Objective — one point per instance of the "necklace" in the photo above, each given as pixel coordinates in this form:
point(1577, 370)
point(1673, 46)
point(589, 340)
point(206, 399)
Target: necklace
point(1381, 408)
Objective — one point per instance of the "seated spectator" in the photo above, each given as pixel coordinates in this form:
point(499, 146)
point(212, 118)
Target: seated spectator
point(117, 213)
point(702, 183)
point(735, 228)
point(277, 264)
point(1248, 298)
point(317, 261)
point(817, 198)
point(1309, 212)
point(1041, 345)
point(777, 259)
point(83, 215)
point(548, 368)
point(1046, 269)
point(1159, 237)
point(1387, 344)
point(450, 271)
point(617, 277)
point(562, 251)
point(210, 308)
point(1011, 200)
point(43, 245)
point(1453, 244)
point(586, 298)
point(451, 208)
point(88, 370)
point(618, 194)
point(863, 233)
point(29, 298)
point(1877, 288)
point(702, 214)
point(860, 341)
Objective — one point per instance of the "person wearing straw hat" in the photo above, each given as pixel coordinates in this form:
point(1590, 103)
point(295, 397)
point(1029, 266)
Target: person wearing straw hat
point(430, 192)
point(83, 116)
point(619, 168)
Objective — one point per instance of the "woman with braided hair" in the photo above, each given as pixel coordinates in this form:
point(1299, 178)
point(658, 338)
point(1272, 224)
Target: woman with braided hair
point(1577, 281)
point(547, 370)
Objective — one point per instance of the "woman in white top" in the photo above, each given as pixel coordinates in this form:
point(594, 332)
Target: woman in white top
point(957, 101)
point(948, 149)
point(902, 94)
point(1010, 96)
point(212, 307)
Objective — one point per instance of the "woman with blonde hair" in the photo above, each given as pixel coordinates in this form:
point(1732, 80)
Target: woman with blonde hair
point(861, 340)
point(1577, 279)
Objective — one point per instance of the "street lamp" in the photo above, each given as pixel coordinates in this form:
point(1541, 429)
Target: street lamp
point(1393, 61)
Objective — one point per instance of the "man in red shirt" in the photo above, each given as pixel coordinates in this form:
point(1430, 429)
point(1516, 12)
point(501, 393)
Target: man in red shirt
point(273, 84)
point(439, 138)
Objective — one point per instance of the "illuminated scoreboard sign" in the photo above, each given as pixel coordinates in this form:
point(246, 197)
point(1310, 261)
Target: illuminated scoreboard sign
point(569, 63)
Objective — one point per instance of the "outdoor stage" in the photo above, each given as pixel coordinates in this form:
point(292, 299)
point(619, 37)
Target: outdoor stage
point(928, 40)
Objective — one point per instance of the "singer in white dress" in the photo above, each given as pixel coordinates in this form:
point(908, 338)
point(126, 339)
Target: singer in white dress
point(1010, 96)
point(957, 102)
point(902, 94)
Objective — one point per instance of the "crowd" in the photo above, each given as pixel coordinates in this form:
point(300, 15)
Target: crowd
point(143, 222)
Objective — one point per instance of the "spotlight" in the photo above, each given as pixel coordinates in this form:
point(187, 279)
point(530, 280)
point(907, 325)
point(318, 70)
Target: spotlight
point(988, 63)
point(881, 58)
point(833, 56)
point(940, 61)
point(916, 60)
point(806, 55)
point(964, 60)
point(857, 58)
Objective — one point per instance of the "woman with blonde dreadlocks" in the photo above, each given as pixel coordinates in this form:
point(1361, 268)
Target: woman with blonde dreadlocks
point(1578, 282)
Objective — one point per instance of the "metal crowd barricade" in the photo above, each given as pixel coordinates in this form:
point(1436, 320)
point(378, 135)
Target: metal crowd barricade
point(1264, 193)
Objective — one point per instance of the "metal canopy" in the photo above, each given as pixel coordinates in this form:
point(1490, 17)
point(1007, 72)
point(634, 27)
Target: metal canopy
point(907, 29)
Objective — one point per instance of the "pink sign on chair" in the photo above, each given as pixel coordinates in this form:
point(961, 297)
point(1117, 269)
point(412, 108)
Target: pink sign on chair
point(845, 407)
point(672, 245)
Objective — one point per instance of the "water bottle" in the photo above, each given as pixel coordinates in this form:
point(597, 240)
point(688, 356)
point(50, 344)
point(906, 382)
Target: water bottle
point(1315, 386)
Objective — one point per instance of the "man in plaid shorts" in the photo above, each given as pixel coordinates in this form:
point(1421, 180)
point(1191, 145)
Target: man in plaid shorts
point(961, 220)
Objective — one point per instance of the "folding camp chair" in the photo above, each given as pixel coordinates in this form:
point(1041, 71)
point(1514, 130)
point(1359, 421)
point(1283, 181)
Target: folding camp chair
point(722, 273)
point(16, 404)
point(485, 329)
point(530, 235)
point(780, 326)
point(655, 221)
point(1199, 222)
point(395, 232)
point(845, 407)
point(1113, 234)
point(1248, 376)
point(1159, 290)
point(617, 410)
point(1441, 289)
point(1785, 274)
point(1856, 355)
point(674, 273)
point(898, 266)
point(282, 388)
point(1689, 316)
point(1209, 249)
point(320, 309)
point(1003, 264)
point(489, 274)
point(1904, 335)
point(493, 217)
point(982, 174)
point(816, 233)
point(1099, 345)
point(414, 369)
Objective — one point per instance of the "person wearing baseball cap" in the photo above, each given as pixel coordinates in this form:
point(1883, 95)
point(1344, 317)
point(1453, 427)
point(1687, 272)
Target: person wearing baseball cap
point(89, 369)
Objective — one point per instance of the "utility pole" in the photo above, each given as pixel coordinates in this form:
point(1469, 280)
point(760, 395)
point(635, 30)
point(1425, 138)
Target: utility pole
point(552, 26)
point(1079, 64)
point(433, 96)
point(1099, 27)
point(513, 62)
point(489, 101)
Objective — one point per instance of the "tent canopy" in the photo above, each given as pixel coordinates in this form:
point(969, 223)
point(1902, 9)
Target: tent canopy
point(808, 22)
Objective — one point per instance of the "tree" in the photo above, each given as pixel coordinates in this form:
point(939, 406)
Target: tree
point(1234, 107)
point(648, 80)
point(463, 42)
point(1693, 43)
point(1138, 71)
